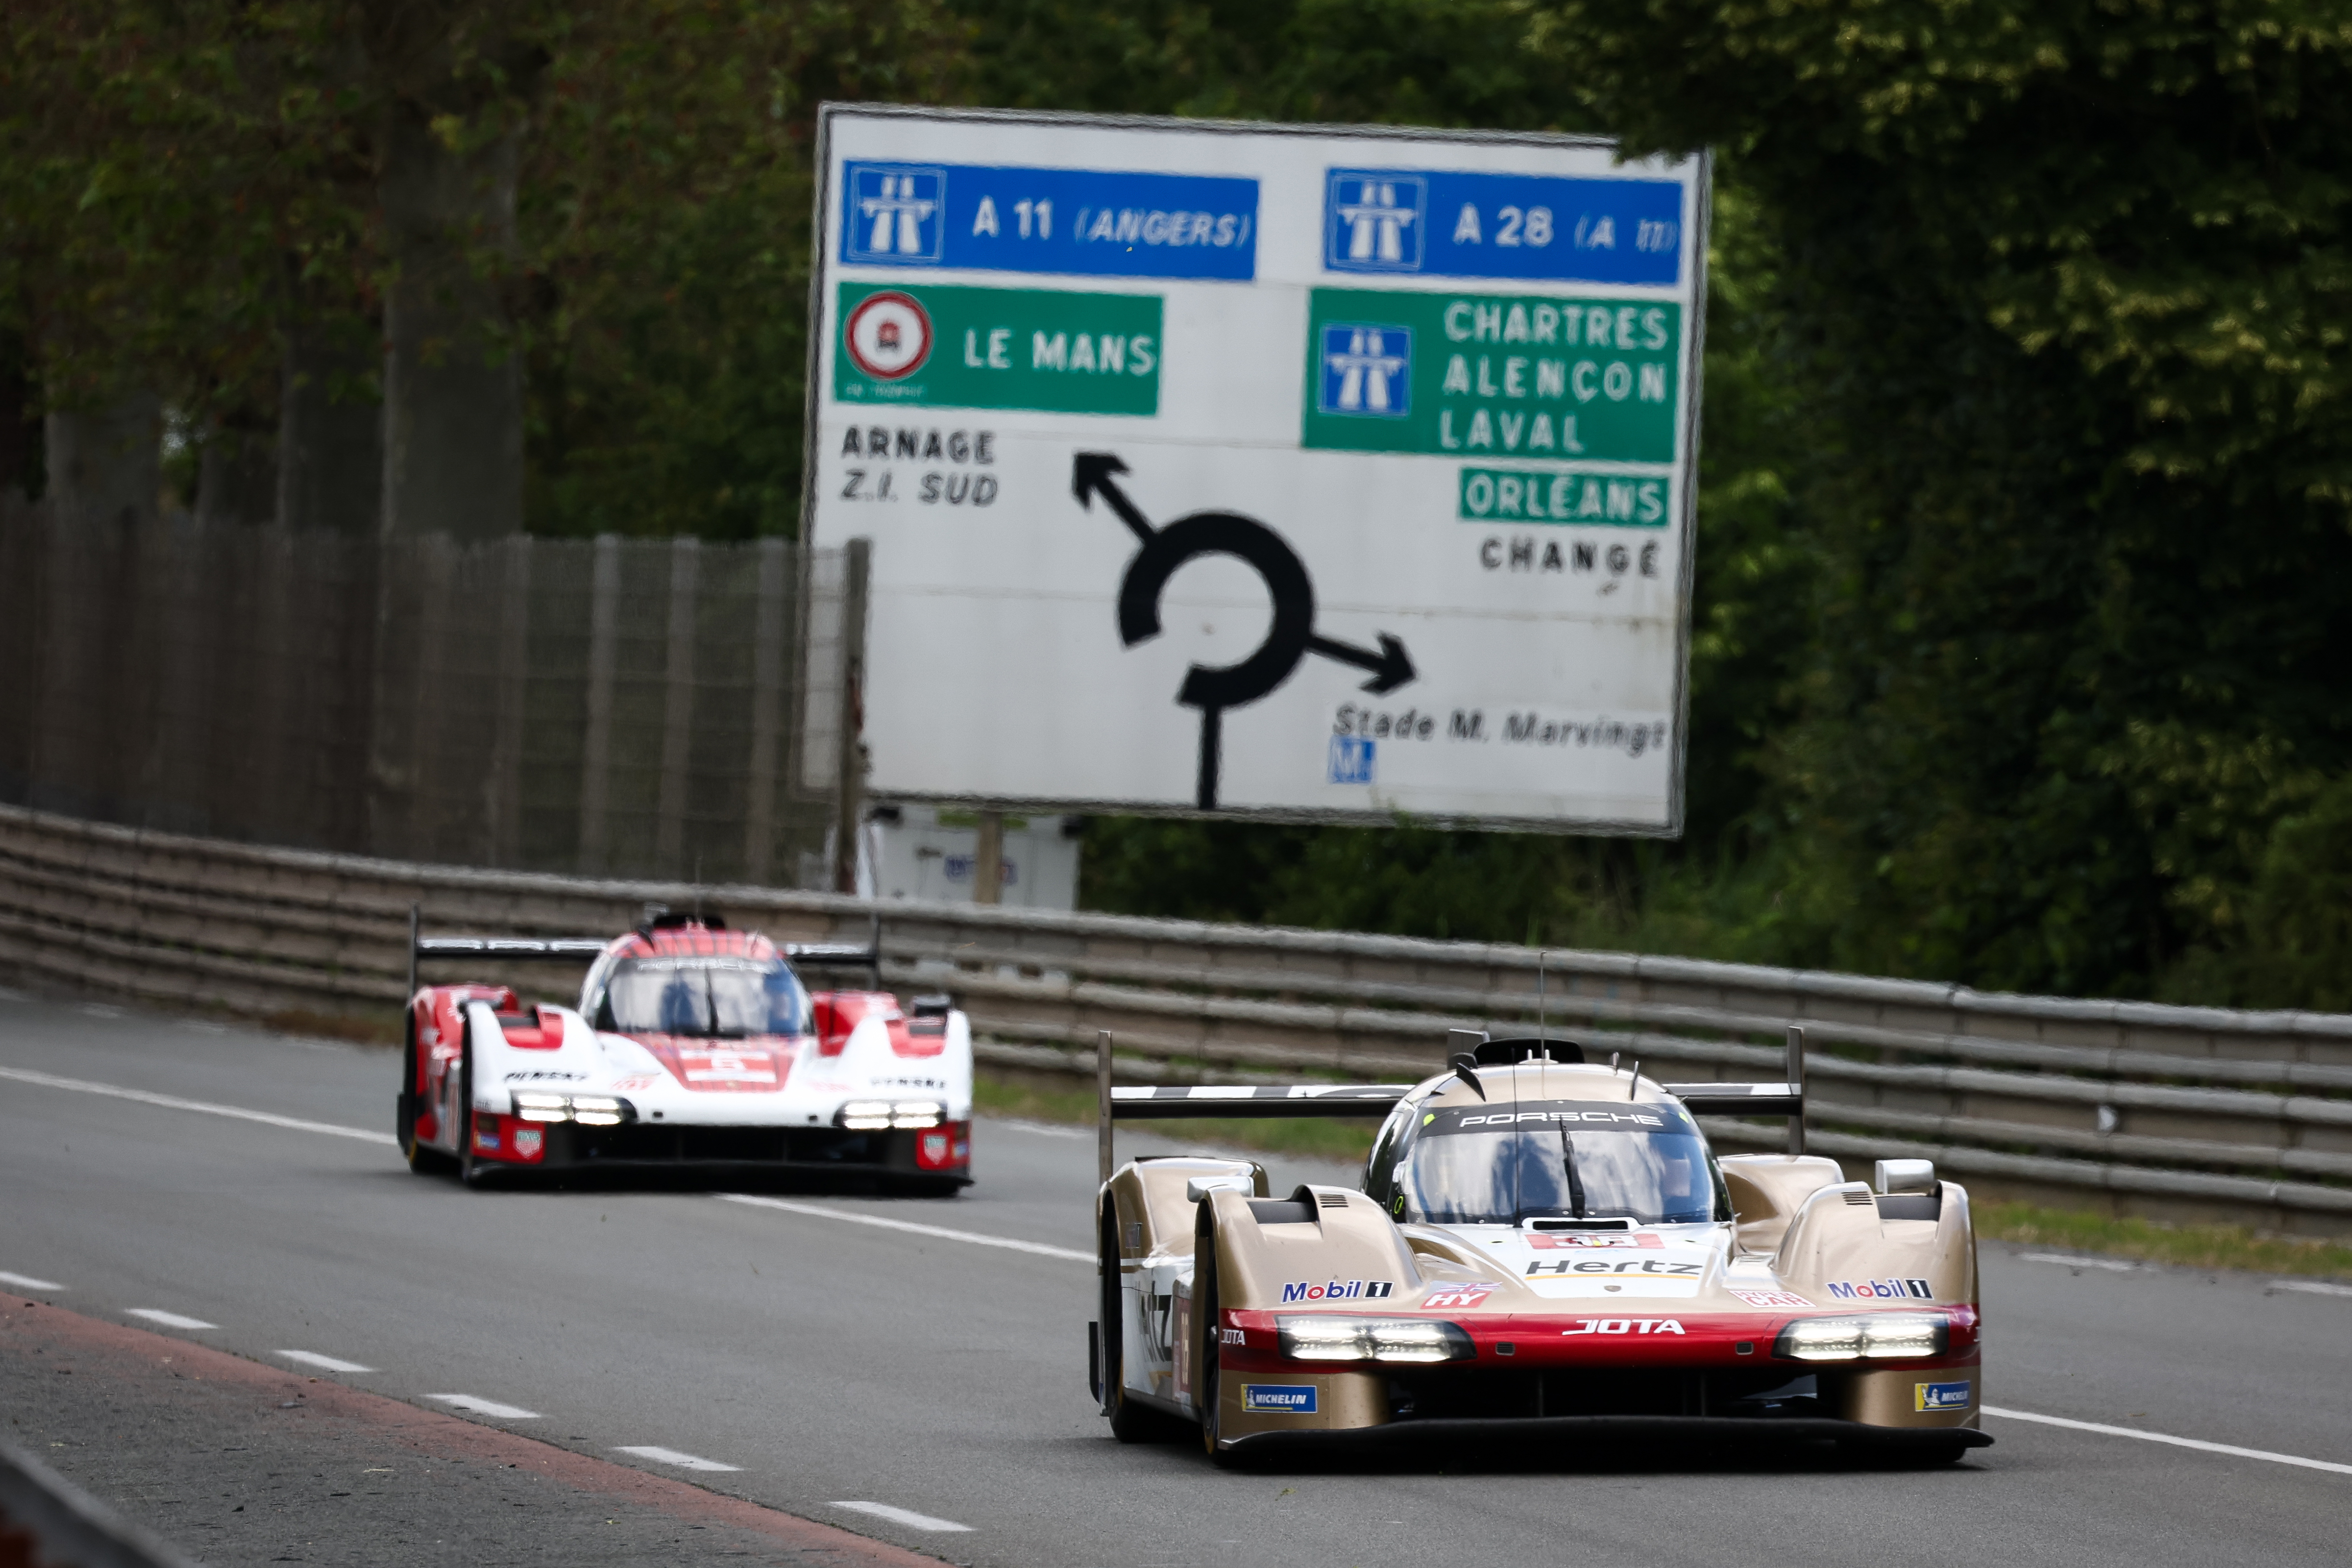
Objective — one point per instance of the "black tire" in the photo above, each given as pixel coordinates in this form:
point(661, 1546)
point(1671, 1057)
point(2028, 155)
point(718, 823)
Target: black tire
point(923, 1187)
point(1206, 1382)
point(1903, 1457)
point(422, 1160)
point(1130, 1422)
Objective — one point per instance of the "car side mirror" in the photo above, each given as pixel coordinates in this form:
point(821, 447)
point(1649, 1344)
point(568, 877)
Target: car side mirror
point(1200, 1187)
point(1892, 1176)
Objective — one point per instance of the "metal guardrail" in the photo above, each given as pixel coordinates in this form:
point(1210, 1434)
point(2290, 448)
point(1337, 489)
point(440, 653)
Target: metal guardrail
point(2177, 1112)
point(46, 1519)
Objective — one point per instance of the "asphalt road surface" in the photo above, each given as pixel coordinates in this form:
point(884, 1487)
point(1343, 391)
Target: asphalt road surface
point(833, 1356)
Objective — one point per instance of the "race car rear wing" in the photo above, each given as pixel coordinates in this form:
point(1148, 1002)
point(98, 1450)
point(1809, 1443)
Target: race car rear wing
point(1256, 1100)
point(586, 950)
point(1169, 1101)
point(1756, 1099)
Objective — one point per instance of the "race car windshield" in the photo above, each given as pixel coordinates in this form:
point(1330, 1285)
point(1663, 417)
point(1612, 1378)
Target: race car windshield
point(1569, 1159)
point(719, 997)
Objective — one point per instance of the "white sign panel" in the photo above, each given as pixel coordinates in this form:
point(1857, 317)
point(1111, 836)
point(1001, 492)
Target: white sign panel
point(1311, 474)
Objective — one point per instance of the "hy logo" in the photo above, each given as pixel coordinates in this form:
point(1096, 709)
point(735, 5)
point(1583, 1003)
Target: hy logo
point(895, 213)
point(1374, 220)
point(1367, 370)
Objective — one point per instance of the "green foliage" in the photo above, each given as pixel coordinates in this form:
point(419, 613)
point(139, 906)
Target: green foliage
point(666, 225)
point(176, 178)
point(2028, 448)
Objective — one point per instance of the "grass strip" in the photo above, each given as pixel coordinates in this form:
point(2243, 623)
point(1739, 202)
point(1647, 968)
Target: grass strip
point(1313, 1137)
point(2152, 1242)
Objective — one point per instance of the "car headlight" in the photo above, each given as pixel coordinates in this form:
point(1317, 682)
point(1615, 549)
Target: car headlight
point(1869, 1336)
point(873, 1115)
point(590, 1109)
point(1329, 1338)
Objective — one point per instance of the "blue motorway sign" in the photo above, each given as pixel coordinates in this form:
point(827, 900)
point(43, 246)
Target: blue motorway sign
point(1435, 224)
point(1088, 223)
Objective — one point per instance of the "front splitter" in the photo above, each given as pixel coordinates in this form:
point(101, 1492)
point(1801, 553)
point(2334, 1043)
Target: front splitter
point(1583, 1431)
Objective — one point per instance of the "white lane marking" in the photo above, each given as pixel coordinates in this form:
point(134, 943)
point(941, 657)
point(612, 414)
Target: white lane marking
point(26, 1282)
point(906, 1516)
point(100, 1011)
point(1042, 1129)
point(11, 994)
point(324, 1363)
point(168, 1319)
point(2311, 1287)
point(173, 1102)
point(975, 1238)
point(2198, 1443)
point(490, 1408)
point(672, 1457)
point(2113, 1265)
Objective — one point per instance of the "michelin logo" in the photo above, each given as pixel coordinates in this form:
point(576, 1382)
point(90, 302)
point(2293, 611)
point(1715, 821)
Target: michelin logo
point(1881, 1290)
point(1941, 1395)
point(1284, 1398)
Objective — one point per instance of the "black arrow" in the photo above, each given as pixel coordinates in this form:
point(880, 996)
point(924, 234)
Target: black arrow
point(1289, 638)
point(1390, 668)
point(1091, 474)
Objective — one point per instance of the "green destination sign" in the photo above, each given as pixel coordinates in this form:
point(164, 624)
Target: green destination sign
point(1574, 496)
point(1053, 350)
point(1536, 376)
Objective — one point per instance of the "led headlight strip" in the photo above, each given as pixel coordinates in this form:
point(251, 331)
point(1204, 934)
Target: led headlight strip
point(1333, 1338)
point(589, 1109)
point(873, 1115)
point(1866, 1336)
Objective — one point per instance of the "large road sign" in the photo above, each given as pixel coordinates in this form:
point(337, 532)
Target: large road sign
point(1299, 472)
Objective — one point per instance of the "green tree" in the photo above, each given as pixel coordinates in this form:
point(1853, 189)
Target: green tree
point(2065, 287)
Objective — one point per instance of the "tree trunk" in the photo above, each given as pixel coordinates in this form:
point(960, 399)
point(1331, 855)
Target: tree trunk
point(17, 446)
point(331, 472)
point(106, 465)
point(453, 396)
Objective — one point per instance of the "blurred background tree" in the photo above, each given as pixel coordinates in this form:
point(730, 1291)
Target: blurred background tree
point(2024, 472)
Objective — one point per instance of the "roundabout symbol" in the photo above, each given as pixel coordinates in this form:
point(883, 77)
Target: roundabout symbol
point(1290, 638)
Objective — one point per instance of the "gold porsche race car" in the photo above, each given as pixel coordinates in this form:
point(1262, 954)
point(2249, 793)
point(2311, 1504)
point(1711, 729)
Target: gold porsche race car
point(1542, 1247)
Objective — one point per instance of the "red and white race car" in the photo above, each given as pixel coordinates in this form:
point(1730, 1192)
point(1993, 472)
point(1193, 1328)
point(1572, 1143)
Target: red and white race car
point(693, 1046)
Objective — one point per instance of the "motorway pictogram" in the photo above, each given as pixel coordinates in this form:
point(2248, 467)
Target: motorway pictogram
point(1290, 638)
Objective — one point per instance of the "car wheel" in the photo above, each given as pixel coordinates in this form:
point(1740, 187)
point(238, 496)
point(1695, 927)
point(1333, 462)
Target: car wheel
point(1929, 1456)
point(1206, 1386)
point(1906, 1457)
point(424, 1161)
point(1130, 1422)
point(925, 1186)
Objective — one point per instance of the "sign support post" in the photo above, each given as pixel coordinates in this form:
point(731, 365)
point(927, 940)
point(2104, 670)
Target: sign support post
point(849, 784)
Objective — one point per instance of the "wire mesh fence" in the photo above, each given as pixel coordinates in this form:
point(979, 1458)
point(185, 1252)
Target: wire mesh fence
point(609, 706)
